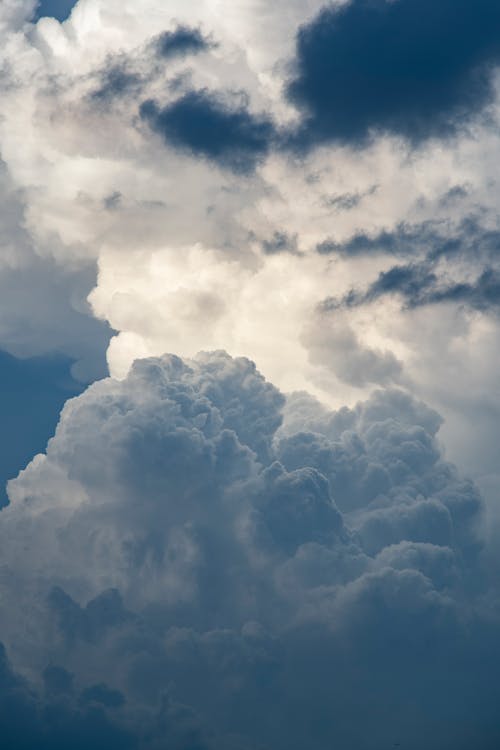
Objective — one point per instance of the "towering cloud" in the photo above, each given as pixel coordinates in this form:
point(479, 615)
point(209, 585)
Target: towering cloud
point(202, 560)
point(197, 552)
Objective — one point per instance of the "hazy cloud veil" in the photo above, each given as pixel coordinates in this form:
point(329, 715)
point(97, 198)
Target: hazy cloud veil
point(269, 520)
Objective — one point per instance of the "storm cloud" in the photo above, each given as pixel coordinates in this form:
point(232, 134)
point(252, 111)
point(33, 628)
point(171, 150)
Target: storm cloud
point(411, 68)
point(205, 124)
point(419, 285)
point(181, 41)
point(192, 529)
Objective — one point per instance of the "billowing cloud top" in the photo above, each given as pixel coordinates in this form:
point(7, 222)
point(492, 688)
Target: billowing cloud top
point(198, 552)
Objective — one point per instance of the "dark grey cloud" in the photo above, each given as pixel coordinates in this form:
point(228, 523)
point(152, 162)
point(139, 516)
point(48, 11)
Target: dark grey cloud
point(116, 80)
point(207, 125)
point(51, 720)
point(435, 254)
point(90, 622)
point(409, 281)
point(126, 75)
point(280, 242)
point(102, 695)
point(432, 238)
point(420, 284)
point(412, 282)
point(113, 201)
point(415, 68)
point(454, 195)
point(198, 549)
point(348, 201)
point(181, 41)
point(482, 294)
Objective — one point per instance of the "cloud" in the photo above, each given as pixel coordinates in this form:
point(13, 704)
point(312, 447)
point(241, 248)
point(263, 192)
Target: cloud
point(411, 68)
point(129, 73)
point(117, 80)
point(442, 260)
point(483, 294)
point(181, 41)
point(280, 242)
point(196, 562)
point(346, 202)
point(30, 719)
point(434, 239)
point(197, 548)
point(45, 312)
point(44, 307)
point(204, 124)
point(419, 285)
point(331, 343)
point(83, 151)
point(403, 240)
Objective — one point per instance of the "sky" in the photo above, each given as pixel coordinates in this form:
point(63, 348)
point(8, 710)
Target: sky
point(249, 357)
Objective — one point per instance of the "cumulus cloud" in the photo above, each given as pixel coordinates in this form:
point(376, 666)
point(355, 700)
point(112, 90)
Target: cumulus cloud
point(44, 306)
point(333, 345)
point(205, 549)
point(442, 261)
point(205, 125)
point(209, 239)
point(193, 254)
point(181, 41)
point(411, 68)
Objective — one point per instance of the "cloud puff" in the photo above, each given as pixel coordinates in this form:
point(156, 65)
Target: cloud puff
point(333, 345)
point(203, 123)
point(205, 549)
point(412, 68)
point(181, 41)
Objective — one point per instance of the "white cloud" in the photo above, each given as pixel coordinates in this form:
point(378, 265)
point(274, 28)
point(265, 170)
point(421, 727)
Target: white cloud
point(178, 542)
point(180, 243)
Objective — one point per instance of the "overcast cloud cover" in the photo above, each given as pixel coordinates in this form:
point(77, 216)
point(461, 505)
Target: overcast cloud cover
point(251, 250)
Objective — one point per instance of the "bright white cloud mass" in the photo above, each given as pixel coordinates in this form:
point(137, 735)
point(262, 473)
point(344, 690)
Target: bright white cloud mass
point(288, 540)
